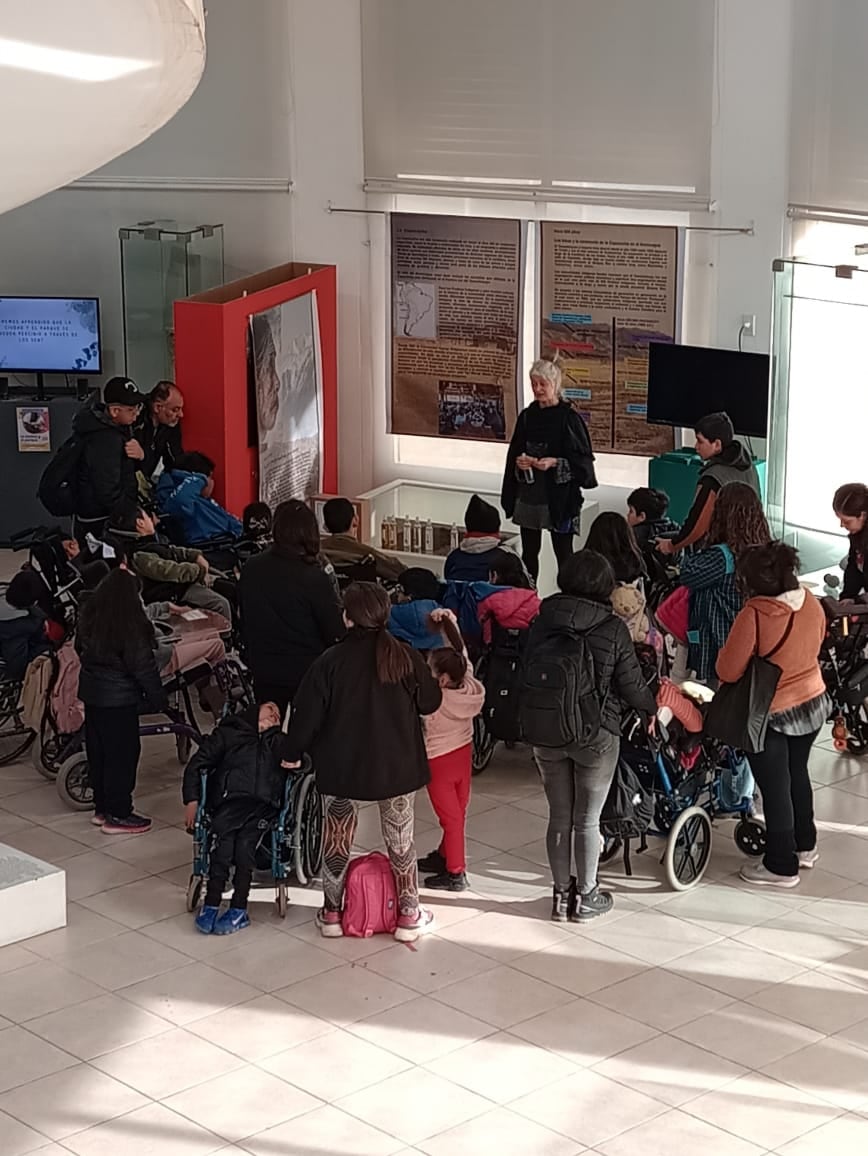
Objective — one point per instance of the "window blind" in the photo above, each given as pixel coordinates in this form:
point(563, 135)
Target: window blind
point(829, 133)
point(556, 93)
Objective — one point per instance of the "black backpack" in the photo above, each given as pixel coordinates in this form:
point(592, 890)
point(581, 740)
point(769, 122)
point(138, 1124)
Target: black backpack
point(57, 486)
point(560, 702)
point(628, 811)
point(502, 675)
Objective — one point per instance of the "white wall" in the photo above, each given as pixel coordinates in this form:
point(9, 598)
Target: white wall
point(236, 125)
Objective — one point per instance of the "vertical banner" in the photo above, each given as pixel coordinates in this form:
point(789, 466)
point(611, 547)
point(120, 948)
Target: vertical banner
point(288, 379)
point(607, 292)
point(456, 293)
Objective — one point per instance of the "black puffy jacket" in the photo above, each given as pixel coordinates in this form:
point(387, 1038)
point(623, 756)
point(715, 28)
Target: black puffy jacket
point(22, 638)
point(161, 443)
point(105, 475)
point(240, 762)
point(127, 679)
point(619, 676)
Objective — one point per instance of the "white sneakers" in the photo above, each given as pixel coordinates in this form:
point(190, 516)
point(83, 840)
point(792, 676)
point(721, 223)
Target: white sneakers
point(760, 876)
point(808, 858)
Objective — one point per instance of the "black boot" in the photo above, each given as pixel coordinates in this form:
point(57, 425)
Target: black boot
point(447, 881)
point(592, 905)
point(433, 863)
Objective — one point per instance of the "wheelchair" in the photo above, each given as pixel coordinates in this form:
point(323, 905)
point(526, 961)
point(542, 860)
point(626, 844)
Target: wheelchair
point(844, 663)
point(292, 843)
point(15, 737)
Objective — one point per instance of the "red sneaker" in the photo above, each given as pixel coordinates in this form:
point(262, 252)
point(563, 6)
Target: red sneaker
point(410, 927)
point(329, 923)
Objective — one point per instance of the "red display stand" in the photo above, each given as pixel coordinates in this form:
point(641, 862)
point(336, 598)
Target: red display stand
point(211, 370)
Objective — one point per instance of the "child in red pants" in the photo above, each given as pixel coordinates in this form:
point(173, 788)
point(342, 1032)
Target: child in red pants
point(449, 743)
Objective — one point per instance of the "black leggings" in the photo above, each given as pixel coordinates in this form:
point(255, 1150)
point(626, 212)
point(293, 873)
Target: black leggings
point(234, 839)
point(111, 739)
point(531, 544)
point(781, 772)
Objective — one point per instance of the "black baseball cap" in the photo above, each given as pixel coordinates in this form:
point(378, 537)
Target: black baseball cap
point(122, 391)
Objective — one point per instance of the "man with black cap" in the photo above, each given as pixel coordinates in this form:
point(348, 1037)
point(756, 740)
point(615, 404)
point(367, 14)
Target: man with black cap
point(109, 455)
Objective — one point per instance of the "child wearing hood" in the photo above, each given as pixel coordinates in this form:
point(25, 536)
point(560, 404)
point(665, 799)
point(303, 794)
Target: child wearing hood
point(449, 744)
point(472, 560)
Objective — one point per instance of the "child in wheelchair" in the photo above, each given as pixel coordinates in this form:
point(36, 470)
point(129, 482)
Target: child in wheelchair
point(239, 763)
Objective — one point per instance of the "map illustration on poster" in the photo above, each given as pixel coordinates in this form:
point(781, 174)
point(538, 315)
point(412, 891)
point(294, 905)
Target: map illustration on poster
point(607, 292)
point(288, 379)
point(456, 292)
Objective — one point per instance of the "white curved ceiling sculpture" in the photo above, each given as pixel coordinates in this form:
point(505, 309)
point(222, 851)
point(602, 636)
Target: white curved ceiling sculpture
point(82, 82)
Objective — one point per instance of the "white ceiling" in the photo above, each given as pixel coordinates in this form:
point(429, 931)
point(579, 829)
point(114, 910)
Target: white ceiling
point(82, 81)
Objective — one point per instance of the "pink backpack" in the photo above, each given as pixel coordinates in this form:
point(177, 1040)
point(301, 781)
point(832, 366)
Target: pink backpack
point(67, 709)
point(370, 899)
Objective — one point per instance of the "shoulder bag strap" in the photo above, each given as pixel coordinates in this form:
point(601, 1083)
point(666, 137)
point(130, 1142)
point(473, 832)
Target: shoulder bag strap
point(784, 636)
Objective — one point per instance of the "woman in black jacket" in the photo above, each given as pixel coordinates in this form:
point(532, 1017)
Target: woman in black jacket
point(851, 507)
point(577, 778)
point(289, 609)
point(550, 459)
point(118, 680)
point(358, 715)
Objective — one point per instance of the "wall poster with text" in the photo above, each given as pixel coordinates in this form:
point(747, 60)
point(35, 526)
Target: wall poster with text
point(456, 316)
point(607, 291)
point(288, 379)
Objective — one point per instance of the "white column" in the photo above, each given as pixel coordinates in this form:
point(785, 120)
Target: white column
point(327, 166)
point(750, 160)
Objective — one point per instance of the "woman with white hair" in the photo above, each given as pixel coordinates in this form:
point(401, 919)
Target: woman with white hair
point(550, 460)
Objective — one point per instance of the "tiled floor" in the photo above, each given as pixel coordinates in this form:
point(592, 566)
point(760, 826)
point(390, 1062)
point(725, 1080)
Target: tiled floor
point(721, 1021)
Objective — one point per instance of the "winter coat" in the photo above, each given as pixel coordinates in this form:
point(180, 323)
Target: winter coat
point(105, 475)
point(130, 678)
point(472, 561)
point(568, 440)
point(22, 638)
point(856, 569)
point(619, 676)
point(511, 608)
point(408, 621)
point(732, 464)
point(240, 762)
point(344, 549)
point(165, 571)
point(179, 496)
point(451, 727)
point(289, 616)
point(364, 737)
point(161, 443)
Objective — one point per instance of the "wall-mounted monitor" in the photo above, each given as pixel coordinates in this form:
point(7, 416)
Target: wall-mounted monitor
point(686, 382)
point(50, 335)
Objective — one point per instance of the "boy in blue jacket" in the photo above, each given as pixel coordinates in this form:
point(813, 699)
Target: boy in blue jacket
point(184, 493)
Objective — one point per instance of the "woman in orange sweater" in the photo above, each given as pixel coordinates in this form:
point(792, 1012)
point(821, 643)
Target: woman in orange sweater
point(781, 614)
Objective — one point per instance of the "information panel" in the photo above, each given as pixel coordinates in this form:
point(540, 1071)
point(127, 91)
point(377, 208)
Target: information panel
point(607, 292)
point(456, 291)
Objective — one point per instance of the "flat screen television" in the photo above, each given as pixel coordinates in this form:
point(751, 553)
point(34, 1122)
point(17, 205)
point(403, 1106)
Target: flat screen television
point(686, 382)
point(50, 335)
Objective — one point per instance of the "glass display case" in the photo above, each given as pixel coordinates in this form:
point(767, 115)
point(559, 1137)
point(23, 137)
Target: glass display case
point(819, 402)
point(162, 262)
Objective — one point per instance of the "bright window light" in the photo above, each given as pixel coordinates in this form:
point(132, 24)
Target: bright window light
point(524, 181)
point(90, 67)
point(609, 187)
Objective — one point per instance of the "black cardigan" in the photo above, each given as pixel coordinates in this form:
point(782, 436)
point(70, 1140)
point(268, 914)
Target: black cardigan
point(365, 738)
point(856, 570)
point(570, 442)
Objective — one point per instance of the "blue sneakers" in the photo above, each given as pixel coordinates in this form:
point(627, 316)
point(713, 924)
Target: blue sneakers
point(206, 919)
point(232, 920)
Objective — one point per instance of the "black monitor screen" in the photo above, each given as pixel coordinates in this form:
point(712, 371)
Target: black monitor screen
point(50, 335)
point(686, 382)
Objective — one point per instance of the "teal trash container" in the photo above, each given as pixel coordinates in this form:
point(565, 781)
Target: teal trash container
point(677, 474)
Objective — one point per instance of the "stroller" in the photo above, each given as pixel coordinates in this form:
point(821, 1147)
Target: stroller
point(293, 842)
point(844, 665)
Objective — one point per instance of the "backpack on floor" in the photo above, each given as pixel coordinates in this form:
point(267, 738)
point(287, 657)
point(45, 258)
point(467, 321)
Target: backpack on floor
point(502, 675)
point(57, 489)
point(559, 702)
point(370, 898)
point(628, 811)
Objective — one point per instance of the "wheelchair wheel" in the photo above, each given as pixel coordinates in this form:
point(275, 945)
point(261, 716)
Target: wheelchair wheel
point(73, 782)
point(688, 849)
point(307, 831)
point(282, 899)
point(46, 751)
point(194, 892)
point(15, 737)
point(183, 748)
point(750, 838)
point(483, 746)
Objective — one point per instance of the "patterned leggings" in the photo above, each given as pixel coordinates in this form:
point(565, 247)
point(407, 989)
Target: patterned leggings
point(339, 831)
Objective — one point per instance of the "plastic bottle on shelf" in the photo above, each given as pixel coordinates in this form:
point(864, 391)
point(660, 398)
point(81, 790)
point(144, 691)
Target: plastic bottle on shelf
point(417, 536)
point(407, 535)
point(384, 534)
point(393, 532)
point(429, 537)
point(453, 537)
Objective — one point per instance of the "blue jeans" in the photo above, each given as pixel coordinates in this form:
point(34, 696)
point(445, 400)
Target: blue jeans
point(576, 781)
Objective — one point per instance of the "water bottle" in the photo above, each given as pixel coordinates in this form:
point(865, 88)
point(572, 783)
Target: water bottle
point(407, 536)
point(384, 534)
point(417, 536)
point(453, 537)
point(429, 537)
point(527, 476)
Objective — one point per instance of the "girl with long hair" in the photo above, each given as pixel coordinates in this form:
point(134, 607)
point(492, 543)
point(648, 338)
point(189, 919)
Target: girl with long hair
point(358, 714)
point(449, 743)
point(612, 536)
point(119, 680)
point(737, 523)
point(851, 508)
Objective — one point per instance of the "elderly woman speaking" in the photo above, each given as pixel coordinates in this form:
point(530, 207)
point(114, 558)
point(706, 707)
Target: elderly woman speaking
point(550, 460)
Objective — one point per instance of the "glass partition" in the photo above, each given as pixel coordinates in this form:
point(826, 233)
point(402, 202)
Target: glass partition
point(819, 402)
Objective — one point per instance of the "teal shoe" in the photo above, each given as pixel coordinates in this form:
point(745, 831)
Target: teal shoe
point(235, 919)
point(206, 919)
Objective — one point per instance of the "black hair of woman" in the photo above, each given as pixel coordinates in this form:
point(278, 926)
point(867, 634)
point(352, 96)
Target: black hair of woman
point(768, 571)
point(296, 533)
point(507, 569)
point(850, 504)
point(587, 574)
point(610, 535)
point(367, 607)
point(112, 619)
